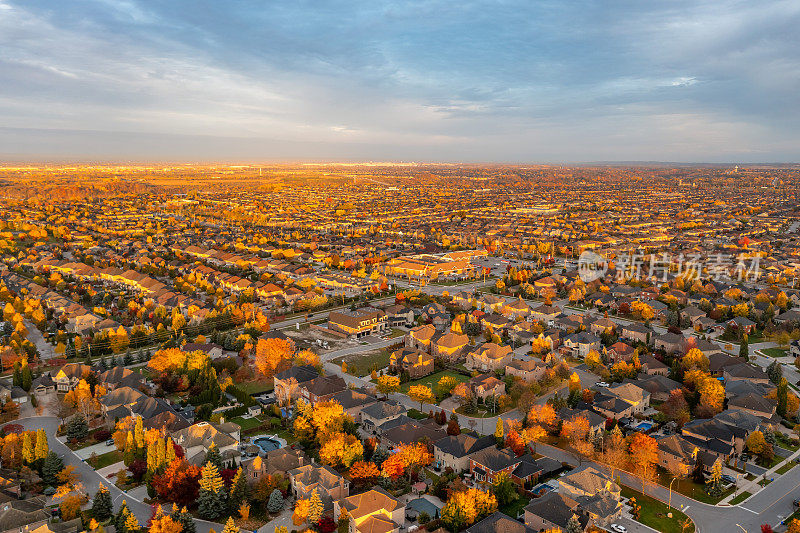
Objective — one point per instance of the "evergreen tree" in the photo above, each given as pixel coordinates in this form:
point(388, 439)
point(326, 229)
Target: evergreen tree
point(42, 447)
point(102, 506)
point(213, 456)
point(783, 394)
point(184, 519)
point(775, 372)
point(27, 448)
point(315, 508)
point(744, 348)
point(275, 502)
point(27, 378)
point(120, 519)
point(77, 428)
point(574, 525)
point(70, 352)
point(211, 498)
point(239, 490)
point(51, 468)
point(230, 526)
point(17, 379)
point(131, 524)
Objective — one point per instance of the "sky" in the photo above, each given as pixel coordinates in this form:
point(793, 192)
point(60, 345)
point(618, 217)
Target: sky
point(472, 81)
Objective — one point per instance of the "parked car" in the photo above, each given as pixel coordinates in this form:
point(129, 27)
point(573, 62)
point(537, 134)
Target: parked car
point(602, 384)
point(796, 502)
point(728, 478)
point(618, 528)
point(110, 442)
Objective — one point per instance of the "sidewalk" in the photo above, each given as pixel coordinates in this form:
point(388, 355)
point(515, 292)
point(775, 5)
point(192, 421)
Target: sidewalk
point(753, 487)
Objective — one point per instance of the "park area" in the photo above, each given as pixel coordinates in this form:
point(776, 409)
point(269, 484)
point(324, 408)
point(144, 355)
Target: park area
point(432, 379)
point(654, 513)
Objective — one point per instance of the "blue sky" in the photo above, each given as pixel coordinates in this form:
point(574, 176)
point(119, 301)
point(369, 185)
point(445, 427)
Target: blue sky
point(417, 80)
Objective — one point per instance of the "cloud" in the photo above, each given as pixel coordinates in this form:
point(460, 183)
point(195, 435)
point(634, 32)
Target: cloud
point(488, 80)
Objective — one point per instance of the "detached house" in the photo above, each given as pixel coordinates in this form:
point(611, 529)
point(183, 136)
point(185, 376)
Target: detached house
point(454, 451)
point(307, 479)
point(450, 346)
point(68, 376)
point(417, 363)
point(489, 356)
point(358, 323)
point(420, 337)
point(374, 511)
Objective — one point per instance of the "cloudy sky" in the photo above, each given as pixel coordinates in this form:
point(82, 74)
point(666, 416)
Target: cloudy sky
point(427, 80)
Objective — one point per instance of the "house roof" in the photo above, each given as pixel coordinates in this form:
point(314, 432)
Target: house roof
point(463, 444)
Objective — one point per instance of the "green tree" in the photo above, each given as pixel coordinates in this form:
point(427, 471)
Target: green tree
point(574, 525)
point(275, 503)
point(185, 519)
point(213, 456)
point(211, 497)
point(102, 505)
point(52, 466)
point(239, 491)
point(775, 372)
point(783, 396)
point(744, 348)
point(121, 518)
point(77, 428)
point(504, 489)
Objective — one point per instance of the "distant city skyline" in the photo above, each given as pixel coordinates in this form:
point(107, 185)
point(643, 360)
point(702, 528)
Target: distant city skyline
point(551, 82)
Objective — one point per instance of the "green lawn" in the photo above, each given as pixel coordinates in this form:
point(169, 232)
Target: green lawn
point(432, 379)
point(416, 414)
point(775, 352)
point(246, 423)
point(396, 333)
point(256, 387)
point(786, 442)
point(513, 508)
point(361, 364)
point(740, 498)
point(786, 467)
point(654, 513)
point(693, 490)
point(106, 459)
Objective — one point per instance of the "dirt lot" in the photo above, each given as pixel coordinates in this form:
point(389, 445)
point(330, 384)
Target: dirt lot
point(307, 337)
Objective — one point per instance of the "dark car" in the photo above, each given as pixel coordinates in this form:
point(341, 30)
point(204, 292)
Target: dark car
point(796, 503)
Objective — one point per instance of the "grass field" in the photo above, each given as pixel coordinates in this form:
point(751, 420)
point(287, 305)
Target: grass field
point(360, 364)
point(246, 423)
point(740, 498)
point(786, 467)
point(689, 488)
point(654, 513)
point(432, 380)
point(256, 387)
point(775, 352)
point(513, 508)
point(106, 459)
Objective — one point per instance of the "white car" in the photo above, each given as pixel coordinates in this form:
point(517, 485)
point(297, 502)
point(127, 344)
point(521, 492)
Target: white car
point(602, 384)
point(618, 528)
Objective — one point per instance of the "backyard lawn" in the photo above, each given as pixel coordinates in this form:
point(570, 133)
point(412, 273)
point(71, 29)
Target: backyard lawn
point(256, 387)
point(246, 423)
point(514, 508)
point(432, 380)
point(742, 496)
point(654, 513)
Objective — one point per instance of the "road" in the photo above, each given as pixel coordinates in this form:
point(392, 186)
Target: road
point(768, 506)
point(91, 479)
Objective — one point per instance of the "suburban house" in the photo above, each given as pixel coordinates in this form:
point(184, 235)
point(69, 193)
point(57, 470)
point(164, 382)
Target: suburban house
point(68, 376)
point(375, 415)
point(420, 337)
point(527, 370)
point(374, 511)
point(288, 383)
point(322, 388)
point(417, 363)
point(676, 454)
point(552, 512)
point(487, 463)
point(580, 344)
point(280, 461)
point(454, 451)
point(358, 323)
point(487, 385)
point(489, 356)
point(197, 439)
point(324, 480)
point(450, 346)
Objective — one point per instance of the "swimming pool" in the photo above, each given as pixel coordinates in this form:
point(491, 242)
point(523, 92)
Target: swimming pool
point(267, 444)
point(644, 426)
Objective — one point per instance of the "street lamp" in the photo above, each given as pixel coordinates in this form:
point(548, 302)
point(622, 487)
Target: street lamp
point(669, 502)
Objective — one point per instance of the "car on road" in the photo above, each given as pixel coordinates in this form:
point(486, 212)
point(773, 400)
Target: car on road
point(110, 442)
point(602, 384)
point(618, 528)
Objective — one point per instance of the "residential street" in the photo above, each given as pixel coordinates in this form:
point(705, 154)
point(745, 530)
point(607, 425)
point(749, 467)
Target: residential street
point(91, 479)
